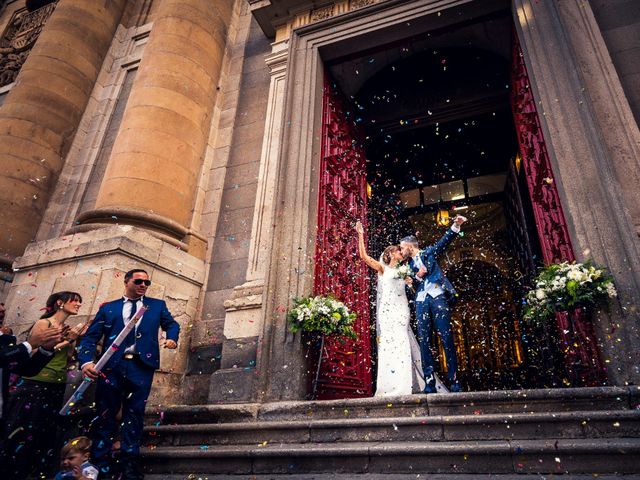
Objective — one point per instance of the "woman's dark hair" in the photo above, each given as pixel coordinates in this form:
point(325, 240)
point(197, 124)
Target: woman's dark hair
point(52, 302)
point(386, 255)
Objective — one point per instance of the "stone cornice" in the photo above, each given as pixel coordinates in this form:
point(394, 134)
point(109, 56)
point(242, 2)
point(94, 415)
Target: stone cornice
point(278, 18)
point(127, 240)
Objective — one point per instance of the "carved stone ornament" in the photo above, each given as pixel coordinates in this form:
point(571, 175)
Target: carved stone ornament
point(360, 3)
point(322, 13)
point(18, 38)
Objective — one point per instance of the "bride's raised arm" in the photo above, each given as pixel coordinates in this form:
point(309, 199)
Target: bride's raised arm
point(362, 250)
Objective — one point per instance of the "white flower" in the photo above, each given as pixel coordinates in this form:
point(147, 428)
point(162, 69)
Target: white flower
point(574, 274)
point(540, 294)
point(558, 283)
point(403, 271)
point(611, 290)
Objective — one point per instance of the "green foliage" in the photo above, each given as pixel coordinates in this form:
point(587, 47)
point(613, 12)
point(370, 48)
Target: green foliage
point(324, 315)
point(566, 286)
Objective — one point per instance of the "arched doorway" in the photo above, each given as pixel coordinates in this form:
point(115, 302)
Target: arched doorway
point(434, 115)
point(440, 141)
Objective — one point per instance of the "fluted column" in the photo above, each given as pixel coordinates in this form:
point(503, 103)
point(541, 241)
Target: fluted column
point(152, 174)
point(41, 113)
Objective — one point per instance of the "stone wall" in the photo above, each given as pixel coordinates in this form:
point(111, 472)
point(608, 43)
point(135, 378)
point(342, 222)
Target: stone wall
point(229, 202)
point(93, 264)
point(92, 258)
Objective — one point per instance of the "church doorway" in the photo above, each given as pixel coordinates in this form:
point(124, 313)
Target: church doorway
point(440, 141)
point(414, 132)
point(428, 124)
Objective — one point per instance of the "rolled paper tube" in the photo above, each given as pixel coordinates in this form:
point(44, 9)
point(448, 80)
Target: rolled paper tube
point(115, 346)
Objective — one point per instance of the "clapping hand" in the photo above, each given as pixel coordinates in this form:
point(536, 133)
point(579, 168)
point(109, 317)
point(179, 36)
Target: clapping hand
point(47, 338)
point(77, 331)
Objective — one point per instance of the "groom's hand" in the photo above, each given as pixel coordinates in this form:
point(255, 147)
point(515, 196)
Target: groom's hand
point(459, 220)
point(422, 272)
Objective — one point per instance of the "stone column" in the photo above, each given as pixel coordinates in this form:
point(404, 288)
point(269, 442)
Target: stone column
point(41, 113)
point(154, 167)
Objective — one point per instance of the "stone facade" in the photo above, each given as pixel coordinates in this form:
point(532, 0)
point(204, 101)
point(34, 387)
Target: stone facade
point(183, 136)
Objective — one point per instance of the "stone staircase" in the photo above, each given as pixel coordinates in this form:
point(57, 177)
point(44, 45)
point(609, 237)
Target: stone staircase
point(508, 434)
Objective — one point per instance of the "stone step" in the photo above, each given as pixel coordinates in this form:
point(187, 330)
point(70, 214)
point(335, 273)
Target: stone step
point(606, 456)
point(577, 424)
point(471, 403)
point(383, 476)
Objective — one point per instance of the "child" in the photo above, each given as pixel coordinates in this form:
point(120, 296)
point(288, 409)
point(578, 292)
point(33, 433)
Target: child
point(75, 461)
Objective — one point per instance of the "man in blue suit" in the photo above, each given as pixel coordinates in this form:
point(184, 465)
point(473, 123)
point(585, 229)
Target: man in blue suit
point(433, 294)
point(126, 379)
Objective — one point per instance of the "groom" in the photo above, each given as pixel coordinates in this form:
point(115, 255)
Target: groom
point(433, 293)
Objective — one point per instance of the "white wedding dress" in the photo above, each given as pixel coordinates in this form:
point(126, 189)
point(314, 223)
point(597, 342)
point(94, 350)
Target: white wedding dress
point(399, 361)
point(395, 364)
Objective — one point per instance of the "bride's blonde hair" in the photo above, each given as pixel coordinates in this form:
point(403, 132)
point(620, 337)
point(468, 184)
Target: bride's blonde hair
point(386, 255)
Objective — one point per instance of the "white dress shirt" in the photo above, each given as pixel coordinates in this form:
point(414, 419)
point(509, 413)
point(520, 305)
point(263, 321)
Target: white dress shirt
point(127, 313)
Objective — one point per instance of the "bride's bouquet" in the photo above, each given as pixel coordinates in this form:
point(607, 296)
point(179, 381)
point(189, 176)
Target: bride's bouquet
point(324, 315)
point(565, 286)
point(404, 271)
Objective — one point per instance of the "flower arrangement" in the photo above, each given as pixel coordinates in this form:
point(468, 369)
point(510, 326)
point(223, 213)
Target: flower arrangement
point(565, 286)
point(403, 271)
point(324, 315)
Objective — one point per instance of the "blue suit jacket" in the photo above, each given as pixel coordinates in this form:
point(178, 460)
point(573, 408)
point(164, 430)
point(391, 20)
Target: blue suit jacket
point(429, 257)
point(109, 323)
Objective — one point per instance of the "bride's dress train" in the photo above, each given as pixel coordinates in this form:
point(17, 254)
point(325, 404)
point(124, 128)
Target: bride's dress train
point(399, 362)
point(418, 375)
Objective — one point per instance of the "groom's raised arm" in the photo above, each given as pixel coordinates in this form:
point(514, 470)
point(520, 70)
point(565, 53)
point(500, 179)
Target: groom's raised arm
point(448, 237)
point(442, 244)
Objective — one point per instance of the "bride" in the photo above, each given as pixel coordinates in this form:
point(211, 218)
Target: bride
point(395, 366)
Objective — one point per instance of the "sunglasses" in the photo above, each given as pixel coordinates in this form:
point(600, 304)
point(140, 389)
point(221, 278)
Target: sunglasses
point(140, 281)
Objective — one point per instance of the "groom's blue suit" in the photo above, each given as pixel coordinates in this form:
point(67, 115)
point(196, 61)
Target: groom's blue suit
point(127, 377)
point(433, 294)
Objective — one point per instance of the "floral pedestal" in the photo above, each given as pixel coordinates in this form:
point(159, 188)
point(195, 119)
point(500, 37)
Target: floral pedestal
point(315, 352)
point(577, 341)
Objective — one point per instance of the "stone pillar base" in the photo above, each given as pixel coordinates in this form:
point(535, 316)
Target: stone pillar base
point(93, 264)
point(234, 382)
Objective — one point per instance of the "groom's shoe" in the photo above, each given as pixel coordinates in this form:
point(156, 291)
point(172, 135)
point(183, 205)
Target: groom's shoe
point(430, 389)
point(430, 384)
point(455, 387)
